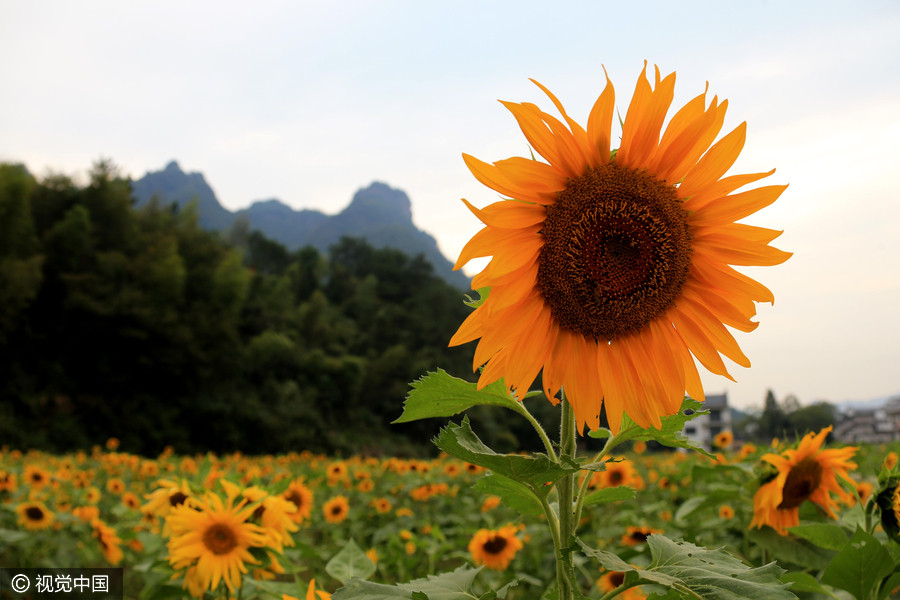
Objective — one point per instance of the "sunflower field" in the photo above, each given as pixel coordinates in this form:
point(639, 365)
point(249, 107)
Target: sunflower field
point(303, 525)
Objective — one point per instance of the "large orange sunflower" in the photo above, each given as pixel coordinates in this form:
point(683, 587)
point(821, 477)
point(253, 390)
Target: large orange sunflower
point(214, 539)
point(807, 473)
point(610, 269)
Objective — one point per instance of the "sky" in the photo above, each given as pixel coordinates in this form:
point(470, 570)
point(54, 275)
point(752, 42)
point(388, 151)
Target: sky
point(309, 101)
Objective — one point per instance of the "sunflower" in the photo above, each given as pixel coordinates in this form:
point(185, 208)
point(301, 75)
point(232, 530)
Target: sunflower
point(610, 269)
point(495, 548)
point(723, 439)
point(35, 476)
point(638, 535)
point(8, 482)
point(302, 497)
point(109, 540)
point(311, 593)
point(213, 538)
point(613, 579)
point(381, 505)
point(34, 515)
point(336, 509)
point(807, 473)
point(726, 512)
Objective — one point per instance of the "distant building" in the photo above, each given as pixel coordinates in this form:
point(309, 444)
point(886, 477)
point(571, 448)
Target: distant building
point(701, 430)
point(871, 426)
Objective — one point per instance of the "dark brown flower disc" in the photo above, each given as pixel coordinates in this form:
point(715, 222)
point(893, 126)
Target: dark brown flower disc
point(617, 252)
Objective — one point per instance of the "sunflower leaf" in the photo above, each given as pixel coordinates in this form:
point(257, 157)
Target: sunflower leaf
point(512, 493)
point(714, 574)
point(823, 535)
point(454, 585)
point(860, 567)
point(476, 302)
point(351, 562)
point(439, 394)
point(614, 494)
point(536, 471)
point(669, 435)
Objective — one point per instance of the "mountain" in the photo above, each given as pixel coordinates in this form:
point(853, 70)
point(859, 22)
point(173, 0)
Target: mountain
point(380, 214)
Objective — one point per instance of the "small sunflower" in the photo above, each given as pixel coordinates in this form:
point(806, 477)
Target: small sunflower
point(495, 548)
point(109, 540)
point(807, 473)
point(638, 535)
point(336, 509)
point(35, 476)
point(613, 579)
point(34, 515)
point(381, 505)
point(726, 512)
point(609, 270)
point(302, 497)
point(214, 539)
point(8, 482)
point(723, 439)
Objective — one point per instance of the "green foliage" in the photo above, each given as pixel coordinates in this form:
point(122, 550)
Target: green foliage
point(698, 572)
point(860, 567)
point(536, 471)
point(441, 395)
point(669, 435)
point(205, 343)
point(350, 563)
point(455, 585)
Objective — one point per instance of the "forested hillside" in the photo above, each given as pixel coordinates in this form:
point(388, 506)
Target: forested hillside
point(140, 324)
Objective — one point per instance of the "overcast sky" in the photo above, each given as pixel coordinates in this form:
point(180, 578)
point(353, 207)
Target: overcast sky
point(309, 101)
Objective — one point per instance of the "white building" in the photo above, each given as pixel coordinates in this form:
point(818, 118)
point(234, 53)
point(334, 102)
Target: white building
point(704, 428)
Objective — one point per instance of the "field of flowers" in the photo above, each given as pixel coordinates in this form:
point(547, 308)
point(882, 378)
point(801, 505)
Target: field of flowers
point(301, 525)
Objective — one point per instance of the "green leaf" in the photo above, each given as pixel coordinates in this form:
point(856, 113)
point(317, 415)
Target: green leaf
point(350, 562)
point(860, 566)
point(535, 471)
point(512, 493)
point(669, 435)
point(823, 535)
point(714, 574)
point(790, 550)
point(889, 585)
point(614, 494)
point(804, 582)
point(476, 302)
point(446, 586)
point(439, 394)
point(611, 562)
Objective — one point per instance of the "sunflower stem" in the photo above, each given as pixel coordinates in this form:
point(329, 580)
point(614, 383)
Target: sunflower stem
point(545, 439)
point(566, 490)
point(582, 491)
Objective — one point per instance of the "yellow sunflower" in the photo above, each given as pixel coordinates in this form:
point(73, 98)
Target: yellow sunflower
point(807, 473)
point(336, 509)
point(302, 497)
point(495, 548)
point(613, 579)
point(109, 540)
point(213, 538)
point(34, 515)
point(638, 535)
point(723, 439)
point(610, 269)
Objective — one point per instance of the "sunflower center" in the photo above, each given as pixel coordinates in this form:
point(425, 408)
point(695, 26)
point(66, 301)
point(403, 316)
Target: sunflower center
point(177, 498)
point(615, 477)
point(617, 251)
point(219, 538)
point(616, 578)
point(495, 545)
point(801, 482)
point(296, 498)
point(34, 513)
